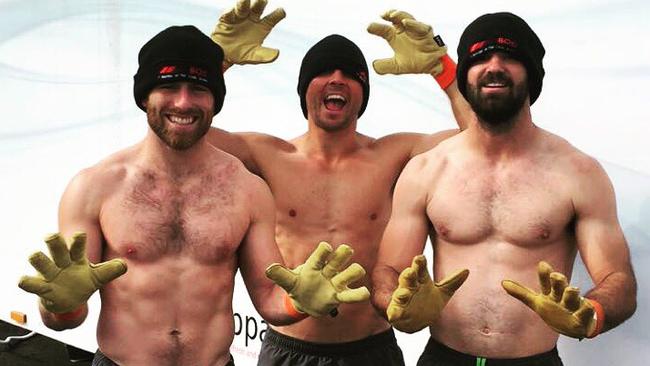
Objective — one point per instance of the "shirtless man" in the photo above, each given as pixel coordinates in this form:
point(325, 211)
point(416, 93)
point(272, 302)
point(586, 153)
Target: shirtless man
point(183, 216)
point(499, 198)
point(331, 182)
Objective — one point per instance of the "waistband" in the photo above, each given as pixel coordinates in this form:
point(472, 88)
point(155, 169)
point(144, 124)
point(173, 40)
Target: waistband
point(440, 350)
point(100, 359)
point(330, 349)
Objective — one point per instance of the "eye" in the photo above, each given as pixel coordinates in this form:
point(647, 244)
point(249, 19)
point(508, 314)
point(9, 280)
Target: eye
point(325, 73)
point(197, 88)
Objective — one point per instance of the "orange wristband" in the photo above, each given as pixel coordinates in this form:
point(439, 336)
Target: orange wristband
point(599, 312)
point(291, 310)
point(71, 315)
point(448, 74)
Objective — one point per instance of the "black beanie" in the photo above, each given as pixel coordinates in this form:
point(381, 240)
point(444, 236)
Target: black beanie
point(180, 53)
point(331, 53)
point(501, 32)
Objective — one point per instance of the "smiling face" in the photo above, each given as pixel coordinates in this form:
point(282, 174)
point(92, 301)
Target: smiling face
point(180, 113)
point(333, 100)
point(497, 89)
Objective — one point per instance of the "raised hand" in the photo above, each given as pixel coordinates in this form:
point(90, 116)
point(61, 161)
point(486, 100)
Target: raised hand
point(241, 32)
point(319, 285)
point(67, 280)
point(417, 302)
point(558, 304)
point(416, 51)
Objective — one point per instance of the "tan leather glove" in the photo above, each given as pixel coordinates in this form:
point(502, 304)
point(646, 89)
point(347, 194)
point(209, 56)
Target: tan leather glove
point(558, 304)
point(241, 32)
point(319, 285)
point(417, 302)
point(416, 51)
point(66, 281)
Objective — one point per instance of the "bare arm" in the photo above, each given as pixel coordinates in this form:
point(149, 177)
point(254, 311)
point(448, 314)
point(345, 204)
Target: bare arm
point(257, 252)
point(462, 111)
point(428, 142)
point(404, 236)
point(603, 247)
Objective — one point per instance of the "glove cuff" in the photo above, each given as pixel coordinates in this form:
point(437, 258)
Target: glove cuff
point(291, 309)
point(448, 74)
point(599, 315)
point(71, 315)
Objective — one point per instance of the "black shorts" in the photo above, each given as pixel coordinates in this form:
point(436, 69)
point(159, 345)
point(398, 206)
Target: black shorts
point(437, 354)
point(100, 359)
point(379, 349)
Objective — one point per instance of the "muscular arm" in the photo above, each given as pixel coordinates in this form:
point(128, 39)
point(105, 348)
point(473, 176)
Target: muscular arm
point(459, 106)
point(603, 247)
point(404, 236)
point(257, 252)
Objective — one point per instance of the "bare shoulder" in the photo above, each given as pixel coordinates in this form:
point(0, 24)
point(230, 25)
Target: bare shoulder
point(219, 137)
point(88, 189)
point(571, 159)
point(431, 162)
point(236, 170)
point(105, 174)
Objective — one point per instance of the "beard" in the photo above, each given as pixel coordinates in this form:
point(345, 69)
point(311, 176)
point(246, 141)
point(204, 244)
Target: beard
point(175, 140)
point(496, 112)
point(342, 122)
point(332, 127)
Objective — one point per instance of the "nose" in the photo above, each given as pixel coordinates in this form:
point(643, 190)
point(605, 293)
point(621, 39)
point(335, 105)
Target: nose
point(336, 77)
point(182, 99)
point(494, 62)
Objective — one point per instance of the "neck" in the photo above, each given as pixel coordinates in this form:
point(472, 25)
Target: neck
point(174, 162)
point(514, 140)
point(330, 144)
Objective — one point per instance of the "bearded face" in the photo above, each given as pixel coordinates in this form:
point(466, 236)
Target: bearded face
point(497, 93)
point(180, 124)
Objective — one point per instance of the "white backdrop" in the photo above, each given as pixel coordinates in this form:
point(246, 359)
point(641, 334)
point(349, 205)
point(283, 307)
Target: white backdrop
point(66, 70)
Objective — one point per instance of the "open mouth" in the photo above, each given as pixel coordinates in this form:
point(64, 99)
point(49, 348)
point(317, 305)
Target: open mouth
point(181, 120)
point(335, 102)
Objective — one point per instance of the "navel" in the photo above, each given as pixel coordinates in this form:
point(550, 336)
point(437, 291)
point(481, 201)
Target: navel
point(373, 216)
point(292, 213)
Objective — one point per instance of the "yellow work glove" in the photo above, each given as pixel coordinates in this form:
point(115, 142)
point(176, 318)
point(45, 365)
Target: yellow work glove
point(240, 32)
point(417, 301)
point(66, 281)
point(319, 285)
point(559, 304)
point(416, 50)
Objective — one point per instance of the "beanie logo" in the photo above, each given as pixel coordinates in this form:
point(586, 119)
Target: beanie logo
point(477, 46)
point(166, 70)
point(500, 43)
point(181, 72)
point(198, 72)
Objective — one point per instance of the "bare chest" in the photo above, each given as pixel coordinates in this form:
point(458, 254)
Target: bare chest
point(353, 193)
point(202, 216)
point(525, 207)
